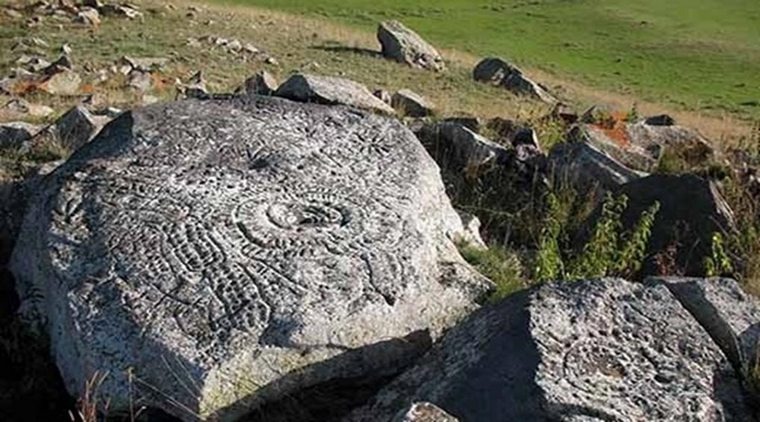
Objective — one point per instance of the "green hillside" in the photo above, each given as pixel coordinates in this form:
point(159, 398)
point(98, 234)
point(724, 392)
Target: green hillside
point(701, 55)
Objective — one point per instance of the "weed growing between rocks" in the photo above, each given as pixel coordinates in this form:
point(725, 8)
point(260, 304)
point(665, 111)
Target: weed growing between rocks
point(500, 265)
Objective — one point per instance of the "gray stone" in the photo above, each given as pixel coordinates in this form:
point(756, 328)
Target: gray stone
point(412, 104)
point(194, 87)
point(20, 106)
point(13, 134)
point(497, 71)
point(139, 80)
point(262, 83)
point(643, 145)
point(573, 351)
point(730, 316)
point(250, 247)
point(465, 148)
point(88, 16)
point(405, 46)
point(471, 233)
point(120, 11)
point(77, 127)
point(144, 64)
point(584, 165)
point(383, 96)
point(330, 90)
point(33, 63)
point(63, 82)
point(424, 412)
point(691, 211)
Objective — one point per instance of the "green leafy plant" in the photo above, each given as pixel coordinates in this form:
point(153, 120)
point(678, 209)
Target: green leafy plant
point(718, 263)
point(500, 265)
point(609, 252)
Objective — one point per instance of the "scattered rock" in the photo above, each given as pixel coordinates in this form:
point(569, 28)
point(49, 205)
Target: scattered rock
point(730, 316)
point(497, 71)
point(471, 233)
point(20, 106)
point(76, 127)
point(424, 412)
point(144, 64)
point(64, 82)
point(660, 120)
point(262, 83)
point(139, 80)
point(691, 211)
point(640, 145)
point(565, 113)
point(66, 50)
point(383, 96)
point(405, 46)
point(588, 350)
point(120, 11)
point(88, 16)
point(585, 166)
point(194, 87)
point(314, 245)
point(464, 149)
point(412, 104)
point(13, 134)
point(330, 90)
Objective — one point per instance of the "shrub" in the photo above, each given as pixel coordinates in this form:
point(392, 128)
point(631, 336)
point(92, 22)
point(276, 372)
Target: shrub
point(500, 265)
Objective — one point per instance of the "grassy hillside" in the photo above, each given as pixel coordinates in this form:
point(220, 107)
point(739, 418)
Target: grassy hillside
point(699, 55)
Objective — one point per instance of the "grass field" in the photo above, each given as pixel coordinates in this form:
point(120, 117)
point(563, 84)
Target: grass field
point(694, 54)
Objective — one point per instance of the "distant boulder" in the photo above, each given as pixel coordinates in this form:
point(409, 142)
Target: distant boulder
point(405, 46)
point(330, 90)
point(585, 166)
point(497, 71)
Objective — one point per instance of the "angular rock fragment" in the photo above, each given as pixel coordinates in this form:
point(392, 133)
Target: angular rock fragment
point(412, 104)
point(583, 165)
point(77, 127)
point(194, 87)
point(424, 412)
point(497, 71)
point(253, 247)
point(727, 313)
point(691, 211)
point(63, 82)
point(405, 46)
point(588, 350)
point(330, 90)
point(88, 16)
point(13, 134)
point(262, 83)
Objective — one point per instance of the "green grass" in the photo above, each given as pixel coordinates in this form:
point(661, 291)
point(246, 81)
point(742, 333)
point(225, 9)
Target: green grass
point(699, 55)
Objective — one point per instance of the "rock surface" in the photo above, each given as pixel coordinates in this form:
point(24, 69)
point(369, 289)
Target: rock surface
point(250, 247)
point(691, 211)
point(262, 83)
point(412, 104)
point(405, 46)
point(591, 350)
point(77, 127)
point(13, 134)
point(730, 316)
point(497, 71)
point(330, 90)
point(641, 145)
point(584, 165)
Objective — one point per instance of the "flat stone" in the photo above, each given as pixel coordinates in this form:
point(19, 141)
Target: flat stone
point(18, 105)
point(406, 46)
point(497, 71)
point(120, 11)
point(412, 104)
point(65, 82)
point(145, 64)
point(588, 350)
point(88, 16)
point(330, 90)
point(254, 246)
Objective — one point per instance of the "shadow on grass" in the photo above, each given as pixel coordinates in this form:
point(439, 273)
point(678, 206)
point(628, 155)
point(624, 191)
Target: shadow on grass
point(350, 50)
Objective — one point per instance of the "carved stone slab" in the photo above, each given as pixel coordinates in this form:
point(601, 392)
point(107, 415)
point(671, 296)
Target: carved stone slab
point(590, 350)
point(212, 255)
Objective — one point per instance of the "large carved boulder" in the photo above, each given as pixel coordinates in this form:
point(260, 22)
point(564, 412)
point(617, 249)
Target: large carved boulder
point(406, 46)
point(590, 350)
point(212, 256)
